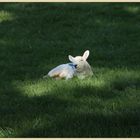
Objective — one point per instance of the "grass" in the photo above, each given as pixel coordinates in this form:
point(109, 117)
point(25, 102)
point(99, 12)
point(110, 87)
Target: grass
point(37, 37)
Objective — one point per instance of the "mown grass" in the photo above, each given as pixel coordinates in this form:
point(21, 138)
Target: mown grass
point(37, 37)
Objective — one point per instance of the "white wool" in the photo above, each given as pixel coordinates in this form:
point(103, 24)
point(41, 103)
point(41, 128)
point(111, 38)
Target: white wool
point(62, 71)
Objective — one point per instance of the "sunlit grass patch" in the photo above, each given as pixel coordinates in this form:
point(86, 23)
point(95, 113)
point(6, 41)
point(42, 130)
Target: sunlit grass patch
point(6, 16)
point(109, 79)
point(52, 86)
point(34, 88)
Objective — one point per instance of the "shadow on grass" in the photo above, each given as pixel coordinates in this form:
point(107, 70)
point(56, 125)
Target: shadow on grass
point(126, 82)
point(89, 125)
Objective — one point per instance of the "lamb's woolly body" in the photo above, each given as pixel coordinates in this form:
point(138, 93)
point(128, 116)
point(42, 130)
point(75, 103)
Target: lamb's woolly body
point(62, 71)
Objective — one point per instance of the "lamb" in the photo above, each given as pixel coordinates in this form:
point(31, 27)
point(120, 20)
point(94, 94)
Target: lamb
point(79, 67)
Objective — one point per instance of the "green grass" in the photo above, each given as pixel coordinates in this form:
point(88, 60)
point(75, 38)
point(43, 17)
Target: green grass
point(34, 38)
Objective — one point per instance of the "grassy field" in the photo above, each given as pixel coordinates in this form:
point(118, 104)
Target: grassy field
point(34, 38)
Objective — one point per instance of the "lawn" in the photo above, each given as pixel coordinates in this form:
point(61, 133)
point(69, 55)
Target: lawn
point(36, 37)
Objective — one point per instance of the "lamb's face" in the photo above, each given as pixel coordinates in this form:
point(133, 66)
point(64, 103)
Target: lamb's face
point(80, 61)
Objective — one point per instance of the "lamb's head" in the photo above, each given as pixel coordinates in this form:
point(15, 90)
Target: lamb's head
point(80, 61)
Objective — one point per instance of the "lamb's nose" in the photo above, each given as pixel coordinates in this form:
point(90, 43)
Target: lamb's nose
point(75, 65)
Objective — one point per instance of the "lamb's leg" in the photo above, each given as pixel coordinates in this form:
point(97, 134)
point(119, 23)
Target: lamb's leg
point(69, 76)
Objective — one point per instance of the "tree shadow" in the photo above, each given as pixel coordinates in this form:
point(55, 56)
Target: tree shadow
point(126, 82)
point(91, 125)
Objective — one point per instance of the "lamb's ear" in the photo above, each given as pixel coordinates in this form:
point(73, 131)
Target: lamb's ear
point(71, 58)
point(86, 54)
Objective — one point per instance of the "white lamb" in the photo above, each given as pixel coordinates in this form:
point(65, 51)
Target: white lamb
point(79, 67)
